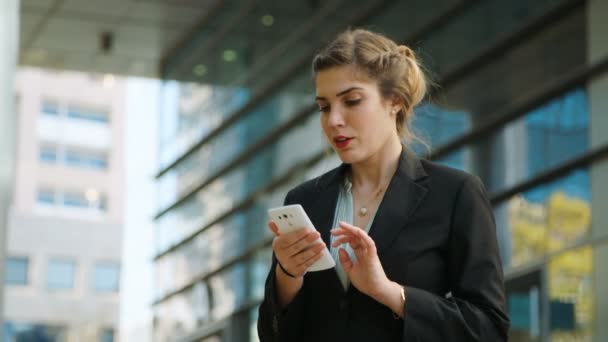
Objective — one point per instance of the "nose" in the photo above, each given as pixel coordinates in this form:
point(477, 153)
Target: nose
point(335, 119)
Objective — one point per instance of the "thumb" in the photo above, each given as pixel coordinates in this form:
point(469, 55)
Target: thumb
point(273, 227)
point(347, 264)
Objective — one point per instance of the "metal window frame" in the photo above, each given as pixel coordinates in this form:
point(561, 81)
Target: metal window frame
point(577, 77)
point(573, 80)
point(587, 159)
point(303, 114)
point(280, 81)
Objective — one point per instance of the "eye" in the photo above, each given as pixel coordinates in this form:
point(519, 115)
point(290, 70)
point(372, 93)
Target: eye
point(352, 102)
point(323, 109)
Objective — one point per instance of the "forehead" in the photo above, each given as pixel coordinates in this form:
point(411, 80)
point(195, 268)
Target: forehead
point(332, 81)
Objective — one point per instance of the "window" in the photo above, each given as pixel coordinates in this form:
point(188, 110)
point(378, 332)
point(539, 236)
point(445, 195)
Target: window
point(75, 199)
point(48, 154)
point(27, 332)
point(93, 115)
point(46, 196)
point(16, 270)
point(106, 335)
point(87, 159)
point(89, 199)
point(61, 274)
point(50, 108)
point(107, 277)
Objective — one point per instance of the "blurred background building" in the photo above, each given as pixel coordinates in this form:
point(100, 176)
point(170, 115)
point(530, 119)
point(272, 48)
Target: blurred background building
point(64, 245)
point(521, 102)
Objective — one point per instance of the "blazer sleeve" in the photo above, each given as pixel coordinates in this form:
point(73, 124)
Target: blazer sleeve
point(475, 311)
point(276, 324)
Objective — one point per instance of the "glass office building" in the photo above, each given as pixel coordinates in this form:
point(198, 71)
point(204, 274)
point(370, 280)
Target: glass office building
point(521, 101)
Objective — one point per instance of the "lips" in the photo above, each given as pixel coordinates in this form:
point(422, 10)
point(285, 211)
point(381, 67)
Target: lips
point(341, 141)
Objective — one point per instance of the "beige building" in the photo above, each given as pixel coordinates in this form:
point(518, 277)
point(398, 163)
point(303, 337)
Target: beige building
point(64, 239)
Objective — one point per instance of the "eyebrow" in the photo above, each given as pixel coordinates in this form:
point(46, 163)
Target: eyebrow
point(340, 93)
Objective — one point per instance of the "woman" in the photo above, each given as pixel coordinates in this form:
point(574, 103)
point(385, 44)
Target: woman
point(414, 242)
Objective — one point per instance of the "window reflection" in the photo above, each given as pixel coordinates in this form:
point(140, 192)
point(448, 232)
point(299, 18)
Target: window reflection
point(544, 219)
point(28, 332)
point(439, 125)
point(543, 138)
point(571, 295)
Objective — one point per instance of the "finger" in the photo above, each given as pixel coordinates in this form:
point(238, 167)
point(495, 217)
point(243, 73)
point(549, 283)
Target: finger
point(366, 241)
point(355, 236)
point(347, 264)
point(301, 269)
point(293, 237)
point(347, 236)
point(339, 232)
point(306, 255)
point(273, 228)
point(340, 241)
point(346, 230)
point(303, 243)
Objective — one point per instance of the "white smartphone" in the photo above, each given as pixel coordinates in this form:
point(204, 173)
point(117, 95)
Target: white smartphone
point(291, 217)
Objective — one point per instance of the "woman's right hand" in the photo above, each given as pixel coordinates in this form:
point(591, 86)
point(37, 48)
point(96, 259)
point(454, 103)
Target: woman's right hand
point(297, 250)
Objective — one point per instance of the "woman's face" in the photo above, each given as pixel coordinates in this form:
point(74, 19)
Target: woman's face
point(355, 118)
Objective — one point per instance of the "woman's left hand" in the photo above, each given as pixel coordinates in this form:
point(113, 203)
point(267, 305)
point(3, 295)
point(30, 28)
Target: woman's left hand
point(365, 273)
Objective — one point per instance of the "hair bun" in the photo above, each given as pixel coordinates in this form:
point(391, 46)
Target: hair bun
point(405, 51)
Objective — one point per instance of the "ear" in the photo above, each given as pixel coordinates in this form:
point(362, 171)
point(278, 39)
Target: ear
point(395, 104)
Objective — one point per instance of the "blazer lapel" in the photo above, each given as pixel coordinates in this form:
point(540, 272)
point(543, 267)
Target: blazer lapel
point(405, 192)
point(322, 210)
point(321, 213)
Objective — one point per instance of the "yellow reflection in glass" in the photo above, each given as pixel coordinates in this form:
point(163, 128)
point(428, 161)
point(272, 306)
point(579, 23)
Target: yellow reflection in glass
point(539, 228)
point(570, 284)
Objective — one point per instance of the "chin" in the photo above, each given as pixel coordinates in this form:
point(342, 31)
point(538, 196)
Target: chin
point(349, 156)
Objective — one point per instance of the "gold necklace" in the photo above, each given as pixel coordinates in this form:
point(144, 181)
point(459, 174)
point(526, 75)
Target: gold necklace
point(363, 210)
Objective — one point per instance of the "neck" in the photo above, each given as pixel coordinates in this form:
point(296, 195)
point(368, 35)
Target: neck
point(378, 169)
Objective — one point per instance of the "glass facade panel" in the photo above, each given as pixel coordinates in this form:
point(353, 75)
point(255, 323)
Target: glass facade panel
point(236, 185)
point(391, 20)
point(175, 317)
point(545, 137)
point(88, 114)
point(16, 272)
point(106, 335)
point(107, 277)
point(46, 196)
point(245, 132)
point(190, 111)
point(86, 159)
point(229, 291)
point(260, 265)
point(437, 126)
point(29, 332)
point(90, 199)
point(460, 39)
point(459, 159)
point(521, 71)
point(60, 274)
point(571, 295)
point(218, 245)
point(48, 154)
point(545, 219)
point(50, 108)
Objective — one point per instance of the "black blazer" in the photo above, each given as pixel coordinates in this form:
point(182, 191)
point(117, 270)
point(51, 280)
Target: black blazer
point(435, 233)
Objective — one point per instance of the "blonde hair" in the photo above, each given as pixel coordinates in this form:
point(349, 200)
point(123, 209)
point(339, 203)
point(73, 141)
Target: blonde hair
point(394, 67)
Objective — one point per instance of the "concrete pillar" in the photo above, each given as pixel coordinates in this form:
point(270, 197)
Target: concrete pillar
point(598, 112)
point(9, 26)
